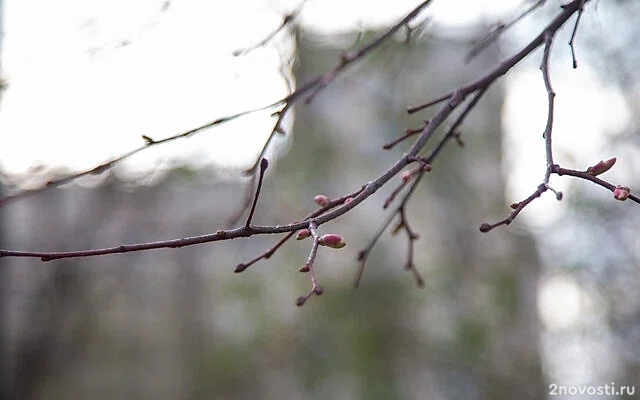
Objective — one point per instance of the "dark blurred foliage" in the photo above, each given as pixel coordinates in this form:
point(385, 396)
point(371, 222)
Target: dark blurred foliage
point(178, 323)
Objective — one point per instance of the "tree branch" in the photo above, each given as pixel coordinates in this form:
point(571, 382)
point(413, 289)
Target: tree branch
point(340, 206)
point(286, 20)
point(311, 88)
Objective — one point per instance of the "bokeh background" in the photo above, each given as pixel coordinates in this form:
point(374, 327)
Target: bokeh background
point(550, 300)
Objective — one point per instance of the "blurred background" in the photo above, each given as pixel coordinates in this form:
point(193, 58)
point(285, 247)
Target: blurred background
point(550, 301)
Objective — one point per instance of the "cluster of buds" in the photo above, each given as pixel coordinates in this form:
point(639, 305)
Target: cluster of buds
point(332, 240)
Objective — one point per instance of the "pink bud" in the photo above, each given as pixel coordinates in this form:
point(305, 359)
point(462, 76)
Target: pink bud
point(303, 234)
point(405, 176)
point(348, 200)
point(601, 167)
point(321, 200)
point(332, 240)
point(621, 193)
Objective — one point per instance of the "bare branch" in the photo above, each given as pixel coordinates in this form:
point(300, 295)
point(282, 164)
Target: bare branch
point(286, 20)
point(149, 142)
point(409, 132)
point(313, 87)
point(309, 267)
point(269, 252)
point(263, 167)
point(338, 207)
point(411, 238)
point(486, 227)
point(544, 186)
point(573, 34)
point(498, 29)
point(567, 11)
point(414, 109)
point(363, 255)
point(556, 169)
point(551, 95)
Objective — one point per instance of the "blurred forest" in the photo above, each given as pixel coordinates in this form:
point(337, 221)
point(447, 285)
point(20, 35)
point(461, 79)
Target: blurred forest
point(179, 324)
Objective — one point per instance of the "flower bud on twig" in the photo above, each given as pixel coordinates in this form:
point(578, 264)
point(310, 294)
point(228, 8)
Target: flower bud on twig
point(621, 193)
point(321, 200)
point(601, 167)
point(332, 240)
point(303, 234)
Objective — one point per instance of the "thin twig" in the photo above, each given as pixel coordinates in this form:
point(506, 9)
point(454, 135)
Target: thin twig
point(277, 129)
point(551, 95)
point(556, 169)
point(264, 164)
point(486, 227)
point(455, 98)
point(286, 20)
point(409, 132)
point(411, 238)
point(406, 176)
point(567, 11)
point(573, 34)
point(309, 267)
point(318, 83)
point(498, 30)
point(414, 109)
point(544, 186)
point(269, 252)
point(149, 142)
point(251, 171)
point(463, 115)
point(246, 201)
point(314, 86)
point(363, 255)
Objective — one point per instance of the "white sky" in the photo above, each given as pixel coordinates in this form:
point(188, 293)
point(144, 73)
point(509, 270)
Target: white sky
point(88, 77)
point(79, 96)
point(76, 97)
